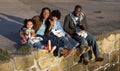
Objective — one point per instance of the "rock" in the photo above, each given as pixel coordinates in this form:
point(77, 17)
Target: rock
point(111, 37)
point(23, 62)
point(118, 36)
point(7, 66)
point(114, 56)
point(117, 44)
point(96, 65)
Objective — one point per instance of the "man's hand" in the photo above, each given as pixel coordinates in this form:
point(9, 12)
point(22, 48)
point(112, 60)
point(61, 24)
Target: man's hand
point(82, 26)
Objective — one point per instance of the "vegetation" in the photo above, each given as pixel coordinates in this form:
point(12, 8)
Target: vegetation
point(25, 49)
point(4, 55)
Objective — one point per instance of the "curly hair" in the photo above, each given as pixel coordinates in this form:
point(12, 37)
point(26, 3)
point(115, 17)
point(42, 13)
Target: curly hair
point(26, 21)
point(56, 13)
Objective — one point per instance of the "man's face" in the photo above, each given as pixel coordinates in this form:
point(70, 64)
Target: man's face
point(77, 12)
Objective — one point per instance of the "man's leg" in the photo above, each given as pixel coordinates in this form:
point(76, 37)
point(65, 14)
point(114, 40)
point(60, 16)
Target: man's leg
point(82, 42)
point(92, 42)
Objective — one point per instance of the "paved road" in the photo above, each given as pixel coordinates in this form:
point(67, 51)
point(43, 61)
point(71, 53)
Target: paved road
point(103, 16)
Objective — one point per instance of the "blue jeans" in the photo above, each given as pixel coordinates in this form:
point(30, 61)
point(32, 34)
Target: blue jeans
point(90, 40)
point(69, 42)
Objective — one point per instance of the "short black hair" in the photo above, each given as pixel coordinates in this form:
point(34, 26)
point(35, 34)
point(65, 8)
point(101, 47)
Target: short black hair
point(56, 13)
point(78, 6)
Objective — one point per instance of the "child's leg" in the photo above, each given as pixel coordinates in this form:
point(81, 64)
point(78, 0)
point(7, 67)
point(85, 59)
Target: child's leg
point(53, 49)
point(49, 45)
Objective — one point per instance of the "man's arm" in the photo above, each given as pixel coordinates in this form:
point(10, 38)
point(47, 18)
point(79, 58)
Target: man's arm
point(66, 25)
point(84, 22)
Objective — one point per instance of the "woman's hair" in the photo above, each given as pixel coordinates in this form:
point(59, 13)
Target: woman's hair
point(43, 9)
point(26, 21)
point(56, 13)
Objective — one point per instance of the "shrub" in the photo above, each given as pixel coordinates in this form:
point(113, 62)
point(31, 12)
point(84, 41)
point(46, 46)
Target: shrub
point(4, 55)
point(25, 49)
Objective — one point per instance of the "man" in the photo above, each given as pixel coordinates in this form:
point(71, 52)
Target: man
point(76, 22)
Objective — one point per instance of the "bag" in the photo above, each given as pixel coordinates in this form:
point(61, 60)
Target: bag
point(34, 40)
point(82, 33)
point(58, 33)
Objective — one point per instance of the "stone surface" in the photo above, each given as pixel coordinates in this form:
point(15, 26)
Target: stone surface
point(23, 62)
point(34, 69)
point(118, 36)
point(114, 56)
point(114, 68)
point(111, 37)
point(105, 41)
point(55, 68)
point(79, 67)
point(94, 65)
point(107, 47)
point(7, 66)
point(117, 44)
point(41, 54)
point(46, 63)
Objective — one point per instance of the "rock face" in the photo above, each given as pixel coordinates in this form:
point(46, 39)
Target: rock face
point(42, 60)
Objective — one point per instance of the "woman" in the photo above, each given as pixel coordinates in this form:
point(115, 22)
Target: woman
point(43, 28)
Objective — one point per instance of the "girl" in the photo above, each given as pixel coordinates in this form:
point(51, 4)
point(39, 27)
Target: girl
point(27, 31)
point(27, 34)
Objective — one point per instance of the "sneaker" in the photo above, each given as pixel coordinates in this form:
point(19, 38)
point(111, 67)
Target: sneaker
point(99, 59)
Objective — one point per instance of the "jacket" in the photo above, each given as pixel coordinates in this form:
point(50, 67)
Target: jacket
point(69, 24)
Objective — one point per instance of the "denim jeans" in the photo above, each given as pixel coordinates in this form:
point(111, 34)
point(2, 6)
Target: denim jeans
point(90, 40)
point(69, 42)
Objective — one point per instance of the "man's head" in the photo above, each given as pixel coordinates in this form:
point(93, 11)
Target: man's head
point(77, 10)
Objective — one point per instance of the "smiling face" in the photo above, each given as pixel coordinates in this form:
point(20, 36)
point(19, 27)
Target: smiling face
point(46, 14)
point(29, 25)
point(77, 11)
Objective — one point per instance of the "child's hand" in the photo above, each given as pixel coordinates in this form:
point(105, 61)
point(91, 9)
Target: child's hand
point(23, 41)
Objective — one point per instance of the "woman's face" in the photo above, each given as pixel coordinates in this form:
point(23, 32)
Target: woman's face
point(29, 25)
point(46, 14)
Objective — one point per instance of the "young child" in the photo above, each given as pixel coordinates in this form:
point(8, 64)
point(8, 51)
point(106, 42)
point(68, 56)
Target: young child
point(27, 31)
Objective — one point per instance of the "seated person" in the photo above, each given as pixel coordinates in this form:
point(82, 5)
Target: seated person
point(27, 34)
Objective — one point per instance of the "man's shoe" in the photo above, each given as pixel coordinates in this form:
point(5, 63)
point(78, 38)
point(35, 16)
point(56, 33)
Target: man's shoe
point(99, 59)
point(85, 61)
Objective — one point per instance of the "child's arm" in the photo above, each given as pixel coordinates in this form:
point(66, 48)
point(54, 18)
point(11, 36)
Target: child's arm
point(22, 35)
point(24, 40)
point(33, 33)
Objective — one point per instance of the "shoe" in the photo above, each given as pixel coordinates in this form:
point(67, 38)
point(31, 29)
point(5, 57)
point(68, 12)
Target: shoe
point(85, 61)
point(99, 59)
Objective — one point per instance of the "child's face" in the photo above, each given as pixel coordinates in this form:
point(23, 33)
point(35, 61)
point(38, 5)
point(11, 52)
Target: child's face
point(29, 25)
point(54, 18)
